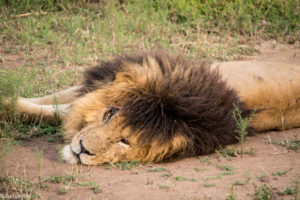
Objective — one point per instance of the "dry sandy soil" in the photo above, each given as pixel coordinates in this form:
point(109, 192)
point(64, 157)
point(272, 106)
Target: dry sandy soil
point(187, 177)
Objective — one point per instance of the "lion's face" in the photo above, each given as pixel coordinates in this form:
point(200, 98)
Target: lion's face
point(100, 141)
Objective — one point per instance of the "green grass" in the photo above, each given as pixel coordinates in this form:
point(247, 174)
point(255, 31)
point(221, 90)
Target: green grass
point(262, 192)
point(180, 178)
point(209, 184)
point(273, 18)
point(79, 33)
point(219, 176)
point(232, 195)
point(265, 192)
point(166, 174)
point(206, 159)
point(250, 152)
point(242, 125)
point(28, 82)
point(159, 169)
point(165, 186)
point(289, 145)
point(263, 178)
point(127, 165)
point(19, 187)
point(279, 173)
point(287, 191)
point(225, 167)
point(296, 186)
point(28, 189)
point(35, 5)
point(227, 153)
point(90, 183)
point(65, 179)
point(96, 189)
point(245, 182)
point(62, 190)
point(5, 147)
point(197, 169)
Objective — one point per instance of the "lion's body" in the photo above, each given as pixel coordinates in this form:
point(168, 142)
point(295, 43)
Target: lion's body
point(155, 106)
point(272, 86)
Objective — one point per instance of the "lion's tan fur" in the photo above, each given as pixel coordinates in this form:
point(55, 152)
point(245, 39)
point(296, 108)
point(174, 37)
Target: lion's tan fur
point(272, 87)
point(266, 85)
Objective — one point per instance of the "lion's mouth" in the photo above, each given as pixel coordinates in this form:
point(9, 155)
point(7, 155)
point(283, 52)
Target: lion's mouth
point(84, 150)
point(72, 153)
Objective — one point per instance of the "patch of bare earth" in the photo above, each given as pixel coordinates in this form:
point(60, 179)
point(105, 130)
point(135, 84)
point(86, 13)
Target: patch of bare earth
point(189, 178)
point(12, 61)
point(139, 183)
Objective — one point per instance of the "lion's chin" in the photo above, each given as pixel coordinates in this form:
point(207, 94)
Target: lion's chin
point(69, 156)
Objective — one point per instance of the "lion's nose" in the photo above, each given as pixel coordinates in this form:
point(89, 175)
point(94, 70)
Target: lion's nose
point(83, 149)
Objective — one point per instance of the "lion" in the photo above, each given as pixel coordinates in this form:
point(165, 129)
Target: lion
point(156, 106)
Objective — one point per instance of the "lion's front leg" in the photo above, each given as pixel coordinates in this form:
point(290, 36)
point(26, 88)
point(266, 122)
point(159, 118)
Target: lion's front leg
point(44, 112)
point(48, 108)
point(63, 97)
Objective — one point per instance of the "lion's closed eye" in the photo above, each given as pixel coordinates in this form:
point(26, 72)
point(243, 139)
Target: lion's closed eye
point(110, 113)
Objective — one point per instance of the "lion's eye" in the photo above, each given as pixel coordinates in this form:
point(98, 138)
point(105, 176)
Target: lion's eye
point(110, 113)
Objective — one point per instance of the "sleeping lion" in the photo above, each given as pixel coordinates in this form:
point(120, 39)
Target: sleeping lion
point(156, 106)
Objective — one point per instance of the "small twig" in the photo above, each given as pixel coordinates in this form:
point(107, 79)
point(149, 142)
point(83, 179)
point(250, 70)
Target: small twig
point(274, 148)
point(263, 169)
point(277, 153)
point(23, 15)
point(34, 13)
point(148, 165)
point(112, 164)
point(282, 127)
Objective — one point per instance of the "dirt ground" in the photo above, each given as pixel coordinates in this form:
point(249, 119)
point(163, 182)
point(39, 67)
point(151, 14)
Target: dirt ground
point(140, 183)
point(189, 178)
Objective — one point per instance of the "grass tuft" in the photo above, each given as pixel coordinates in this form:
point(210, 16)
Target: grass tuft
point(262, 192)
point(19, 188)
point(232, 195)
point(62, 190)
point(289, 145)
point(279, 173)
point(209, 184)
point(180, 178)
point(127, 165)
point(157, 170)
point(242, 125)
point(61, 179)
point(165, 186)
point(225, 167)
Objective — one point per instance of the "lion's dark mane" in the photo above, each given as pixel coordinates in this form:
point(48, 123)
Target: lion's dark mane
point(198, 105)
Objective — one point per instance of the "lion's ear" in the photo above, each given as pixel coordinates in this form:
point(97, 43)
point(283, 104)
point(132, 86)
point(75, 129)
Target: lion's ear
point(124, 77)
point(129, 73)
